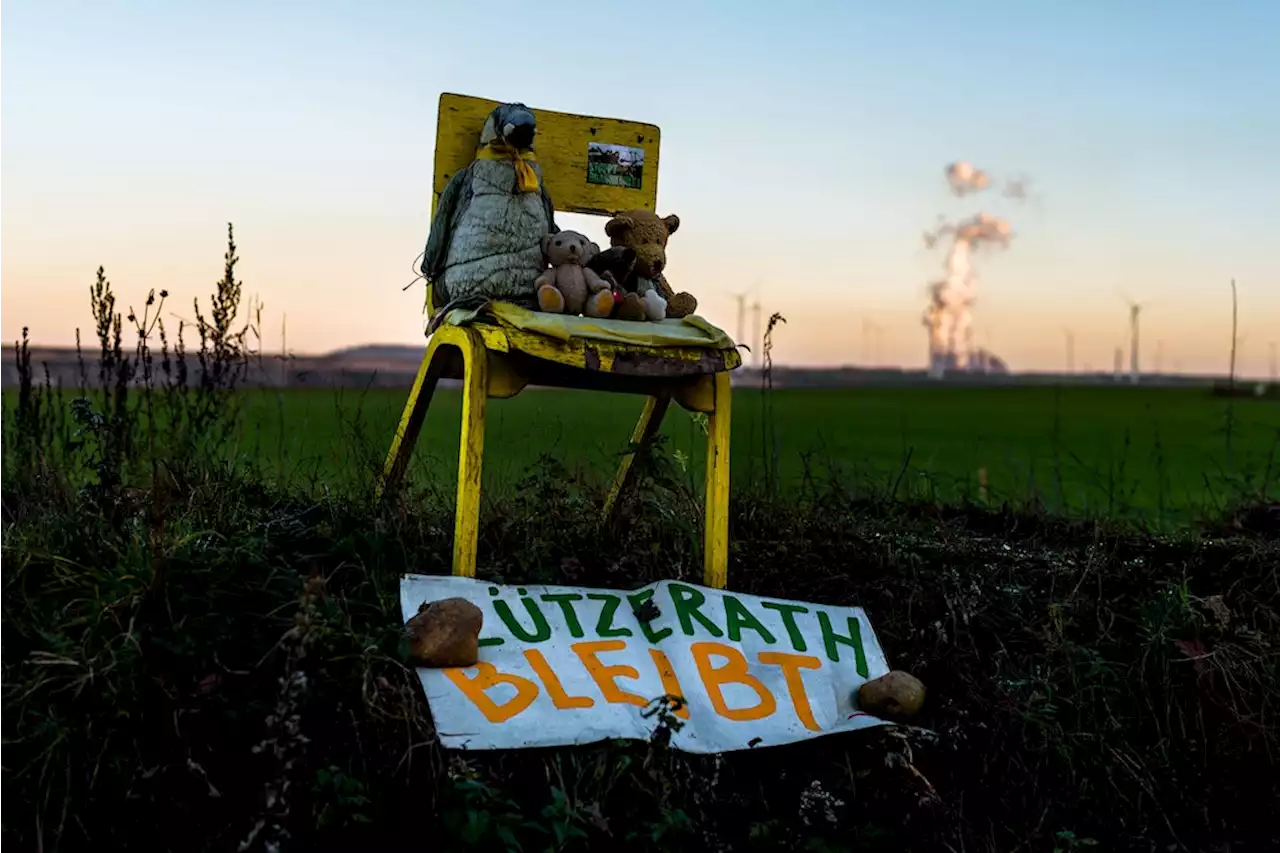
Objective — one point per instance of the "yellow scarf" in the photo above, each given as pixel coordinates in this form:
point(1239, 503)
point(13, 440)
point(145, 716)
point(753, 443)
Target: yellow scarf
point(526, 178)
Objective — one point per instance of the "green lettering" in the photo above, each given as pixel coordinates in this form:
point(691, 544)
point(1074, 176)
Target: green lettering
point(788, 612)
point(604, 626)
point(831, 640)
point(491, 641)
point(565, 600)
point(541, 630)
point(687, 600)
point(738, 617)
point(637, 600)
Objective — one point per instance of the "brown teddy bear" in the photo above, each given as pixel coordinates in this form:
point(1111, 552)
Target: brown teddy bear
point(570, 287)
point(647, 233)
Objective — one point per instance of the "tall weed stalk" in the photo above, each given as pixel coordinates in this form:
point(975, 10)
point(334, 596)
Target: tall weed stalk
point(148, 411)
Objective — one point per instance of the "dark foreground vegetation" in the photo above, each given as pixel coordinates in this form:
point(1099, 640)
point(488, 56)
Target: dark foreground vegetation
point(196, 659)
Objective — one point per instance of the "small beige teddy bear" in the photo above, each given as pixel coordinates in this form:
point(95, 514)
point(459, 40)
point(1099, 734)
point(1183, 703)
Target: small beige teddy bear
point(569, 287)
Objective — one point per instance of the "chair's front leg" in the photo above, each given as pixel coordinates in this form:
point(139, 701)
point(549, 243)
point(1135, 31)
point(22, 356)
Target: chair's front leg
point(715, 572)
point(646, 428)
point(475, 389)
point(415, 412)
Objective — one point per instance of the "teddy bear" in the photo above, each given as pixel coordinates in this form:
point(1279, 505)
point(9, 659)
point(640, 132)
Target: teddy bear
point(615, 266)
point(571, 287)
point(647, 233)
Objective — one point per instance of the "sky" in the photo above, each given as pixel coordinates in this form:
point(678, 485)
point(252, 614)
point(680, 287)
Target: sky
point(803, 147)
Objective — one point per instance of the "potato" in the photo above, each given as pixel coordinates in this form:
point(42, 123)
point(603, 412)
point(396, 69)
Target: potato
point(896, 695)
point(445, 633)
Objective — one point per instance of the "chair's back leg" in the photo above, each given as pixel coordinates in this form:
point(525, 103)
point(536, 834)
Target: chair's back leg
point(715, 571)
point(415, 412)
point(646, 428)
point(475, 391)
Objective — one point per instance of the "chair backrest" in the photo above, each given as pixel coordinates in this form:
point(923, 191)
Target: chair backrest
point(589, 165)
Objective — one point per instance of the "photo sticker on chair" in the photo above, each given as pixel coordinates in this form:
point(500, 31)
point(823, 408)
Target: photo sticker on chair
point(615, 165)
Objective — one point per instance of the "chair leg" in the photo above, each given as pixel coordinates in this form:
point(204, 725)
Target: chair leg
point(715, 572)
point(466, 528)
point(646, 428)
point(415, 412)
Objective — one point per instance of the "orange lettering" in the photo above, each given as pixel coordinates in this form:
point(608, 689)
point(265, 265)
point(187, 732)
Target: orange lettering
point(555, 690)
point(733, 672)
point(488, 676)
point(791, 666)
point(605, 675)
point(668, 675)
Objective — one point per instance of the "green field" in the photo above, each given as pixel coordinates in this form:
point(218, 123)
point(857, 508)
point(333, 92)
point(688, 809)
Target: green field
point(1112, 451)
point(213, 605)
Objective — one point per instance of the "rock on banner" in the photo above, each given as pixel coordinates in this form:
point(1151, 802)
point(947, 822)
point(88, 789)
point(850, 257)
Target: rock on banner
point(566, 665)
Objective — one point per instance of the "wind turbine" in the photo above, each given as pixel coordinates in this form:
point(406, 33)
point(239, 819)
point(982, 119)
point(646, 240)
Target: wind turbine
point(872, 340)
point(1135, 310)
point(755, 329)
point(741, 299)
point(1071, 350)
point(284, 350)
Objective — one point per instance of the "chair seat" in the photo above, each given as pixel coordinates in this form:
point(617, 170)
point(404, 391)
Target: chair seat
point(670, 348)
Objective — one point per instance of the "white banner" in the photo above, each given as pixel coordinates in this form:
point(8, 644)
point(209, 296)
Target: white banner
point(574, 665)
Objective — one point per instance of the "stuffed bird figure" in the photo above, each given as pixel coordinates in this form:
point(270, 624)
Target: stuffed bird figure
point(486, 236)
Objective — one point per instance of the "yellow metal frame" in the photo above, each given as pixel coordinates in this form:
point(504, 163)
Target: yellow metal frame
point(496, 361)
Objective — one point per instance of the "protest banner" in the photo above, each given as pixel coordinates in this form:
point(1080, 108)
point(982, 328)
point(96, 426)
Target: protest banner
point(574, 665)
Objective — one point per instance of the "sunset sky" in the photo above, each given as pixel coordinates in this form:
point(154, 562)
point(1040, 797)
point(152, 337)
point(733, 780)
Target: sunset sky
point(803, 147)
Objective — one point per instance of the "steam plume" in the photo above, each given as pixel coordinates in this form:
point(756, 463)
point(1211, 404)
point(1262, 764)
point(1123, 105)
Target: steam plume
point(965, 179)
point(948, 317)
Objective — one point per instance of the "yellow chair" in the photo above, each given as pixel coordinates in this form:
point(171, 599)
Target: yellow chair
point(501, 351)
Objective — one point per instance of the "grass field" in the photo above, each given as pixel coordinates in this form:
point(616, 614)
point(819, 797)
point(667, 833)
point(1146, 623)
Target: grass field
point(197, 657)
point(1096, 451)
